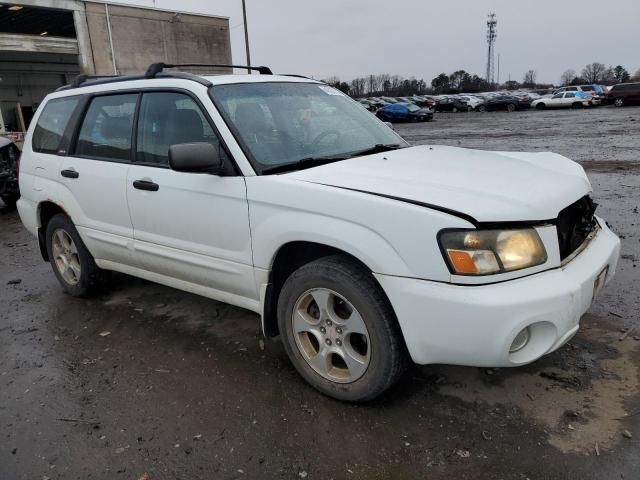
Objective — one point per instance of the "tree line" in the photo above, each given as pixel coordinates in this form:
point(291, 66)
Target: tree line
point(599, 73)
point(462, 81)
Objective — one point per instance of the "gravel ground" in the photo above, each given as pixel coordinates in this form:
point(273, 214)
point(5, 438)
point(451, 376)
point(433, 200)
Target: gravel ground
point(147, 379)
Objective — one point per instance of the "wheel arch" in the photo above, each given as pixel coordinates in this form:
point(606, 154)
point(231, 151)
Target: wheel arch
point(287, 259)
point(46, 211)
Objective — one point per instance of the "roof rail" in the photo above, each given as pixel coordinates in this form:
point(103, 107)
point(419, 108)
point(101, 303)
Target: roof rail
point(295, 75)
point(156, 68)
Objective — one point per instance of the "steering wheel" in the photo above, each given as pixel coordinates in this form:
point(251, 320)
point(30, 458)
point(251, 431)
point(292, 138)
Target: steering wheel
point(324, 134)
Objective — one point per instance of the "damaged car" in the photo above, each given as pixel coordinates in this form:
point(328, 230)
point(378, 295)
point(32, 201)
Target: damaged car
point(281, 195)
point(9, 166)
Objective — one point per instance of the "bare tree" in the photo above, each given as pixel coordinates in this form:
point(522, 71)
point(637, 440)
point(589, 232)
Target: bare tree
point(384, 83)
point(567, 76)
point(608, 77)
point(332, 80)
point(358, 87)
point(593, 72)
point(636, 76)
point(396, 82)
point(529, 79)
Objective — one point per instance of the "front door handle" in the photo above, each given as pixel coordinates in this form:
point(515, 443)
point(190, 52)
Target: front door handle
point(69, 173)
point(146, 185)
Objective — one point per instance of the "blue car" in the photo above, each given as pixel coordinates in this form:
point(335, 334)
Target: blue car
point(404, 112)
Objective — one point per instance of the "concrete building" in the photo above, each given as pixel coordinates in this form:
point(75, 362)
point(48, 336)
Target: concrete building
point(45, 43)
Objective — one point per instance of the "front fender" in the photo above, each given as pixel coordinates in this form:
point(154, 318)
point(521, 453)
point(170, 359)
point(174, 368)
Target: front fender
point(391, 237)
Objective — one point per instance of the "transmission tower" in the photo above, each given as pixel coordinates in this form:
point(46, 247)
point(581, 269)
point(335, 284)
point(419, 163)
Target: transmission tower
point(492, 33)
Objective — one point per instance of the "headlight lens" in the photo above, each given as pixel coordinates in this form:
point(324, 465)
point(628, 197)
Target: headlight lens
point(484, 252)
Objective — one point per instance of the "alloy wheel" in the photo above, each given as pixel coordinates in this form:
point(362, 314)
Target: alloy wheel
point(66, 257)
point(331, 335)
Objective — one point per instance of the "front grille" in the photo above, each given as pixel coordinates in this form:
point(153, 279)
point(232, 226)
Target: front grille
point(574, 225)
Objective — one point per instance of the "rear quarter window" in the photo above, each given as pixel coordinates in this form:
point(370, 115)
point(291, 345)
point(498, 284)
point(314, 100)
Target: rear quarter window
point(52, 123)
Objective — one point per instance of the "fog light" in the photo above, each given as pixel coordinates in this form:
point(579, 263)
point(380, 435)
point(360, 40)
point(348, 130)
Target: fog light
point(520, 341)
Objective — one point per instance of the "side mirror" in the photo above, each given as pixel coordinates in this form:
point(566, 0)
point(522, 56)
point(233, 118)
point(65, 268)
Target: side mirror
point(195, 158)
point(389, 124)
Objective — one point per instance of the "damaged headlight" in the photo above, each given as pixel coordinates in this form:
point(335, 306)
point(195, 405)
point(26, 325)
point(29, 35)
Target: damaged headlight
point(484, 252)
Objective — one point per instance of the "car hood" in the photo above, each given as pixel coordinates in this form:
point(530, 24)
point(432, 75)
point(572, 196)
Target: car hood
point(487, 186)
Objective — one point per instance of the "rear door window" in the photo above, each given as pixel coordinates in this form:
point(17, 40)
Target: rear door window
point(107, 128)
point(52, 123)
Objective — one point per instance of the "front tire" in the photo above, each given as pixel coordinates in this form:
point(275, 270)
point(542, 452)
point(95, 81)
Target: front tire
point(511, 107)
point(339, 330)
point(72, 263)
point(540, 106)
point(619, 102)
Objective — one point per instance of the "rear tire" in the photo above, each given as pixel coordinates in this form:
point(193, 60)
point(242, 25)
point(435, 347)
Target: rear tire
point(577, 106)
point(481, 108)
point(316, 335)
point(511, 107)
point(72, 263)
point(540, 106)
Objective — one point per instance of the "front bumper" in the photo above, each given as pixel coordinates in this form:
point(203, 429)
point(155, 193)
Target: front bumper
point(476, 325)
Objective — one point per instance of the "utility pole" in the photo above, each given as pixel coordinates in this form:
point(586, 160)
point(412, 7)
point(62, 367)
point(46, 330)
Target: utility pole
point(498, 74)
point(246, 32)
point(492, 33)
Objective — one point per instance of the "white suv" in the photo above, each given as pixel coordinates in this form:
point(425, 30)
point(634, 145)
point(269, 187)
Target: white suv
point(283, 196)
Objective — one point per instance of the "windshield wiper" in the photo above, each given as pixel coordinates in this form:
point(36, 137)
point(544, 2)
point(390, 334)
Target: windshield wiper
point(309, 162)
point(377, 148)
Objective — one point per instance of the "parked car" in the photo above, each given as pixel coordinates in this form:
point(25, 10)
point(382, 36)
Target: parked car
point(369, 105)
point(596, 91)
point(9, 166)
point(451, 104)
point(422, 101)
point(361, 252)
point(564, 100)
point(405, 112)
point(624, 94)
point(503, 102)
point(377, 102)
point(472, 101)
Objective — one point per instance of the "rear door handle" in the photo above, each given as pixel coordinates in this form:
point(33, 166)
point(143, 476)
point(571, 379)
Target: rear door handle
point(69, 173)
point(146, 185)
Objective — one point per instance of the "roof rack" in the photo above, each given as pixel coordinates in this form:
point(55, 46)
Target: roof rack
point(295, 75)
point(156, 68)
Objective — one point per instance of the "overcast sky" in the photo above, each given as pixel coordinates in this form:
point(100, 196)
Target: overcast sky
point(422, 38)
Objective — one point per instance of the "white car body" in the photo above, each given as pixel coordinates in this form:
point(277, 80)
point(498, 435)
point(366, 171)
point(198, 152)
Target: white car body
point(472, 101)
point(386, 210)
point(562, 100)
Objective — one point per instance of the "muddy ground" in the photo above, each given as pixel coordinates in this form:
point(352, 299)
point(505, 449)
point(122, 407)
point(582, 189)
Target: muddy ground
point(147, 379)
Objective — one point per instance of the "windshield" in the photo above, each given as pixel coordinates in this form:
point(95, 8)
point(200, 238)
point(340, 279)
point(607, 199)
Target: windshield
point(413, 107)
point(283, 122)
